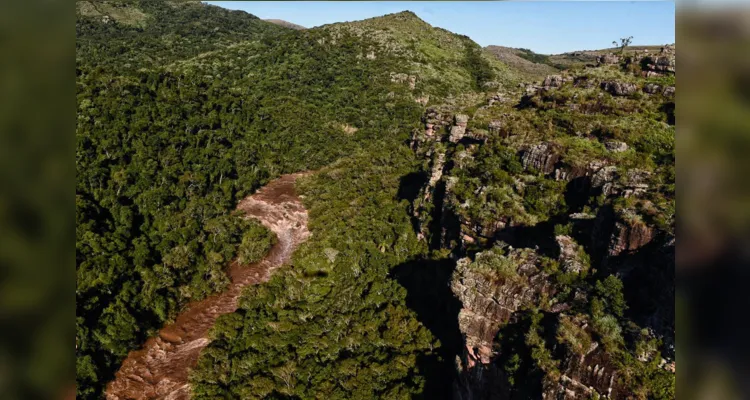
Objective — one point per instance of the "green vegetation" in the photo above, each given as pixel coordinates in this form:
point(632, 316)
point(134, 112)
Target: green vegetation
point(624, 43)
point(534, 57)
point(578, 148)
point(443, 62)
point(184, 109)
point(495, 264)
point(166, 150)
point(333, 324)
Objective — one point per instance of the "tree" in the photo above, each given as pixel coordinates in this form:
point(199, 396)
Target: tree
point(624, 42)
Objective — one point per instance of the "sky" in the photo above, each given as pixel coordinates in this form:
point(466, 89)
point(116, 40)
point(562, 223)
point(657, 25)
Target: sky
point(550, 27)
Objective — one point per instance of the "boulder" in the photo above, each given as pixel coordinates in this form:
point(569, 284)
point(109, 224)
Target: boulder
point(651, 88)
point(604, 176)
point(458, 131)
point(629, 236)
point(541, 157)
point(616, 146)
point(608, 59)
point(668, 91)
point(617, 88)
point(553, 81)
point(461, 119)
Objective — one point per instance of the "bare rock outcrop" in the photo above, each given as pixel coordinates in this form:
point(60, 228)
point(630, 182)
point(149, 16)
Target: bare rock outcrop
point(604, 179)
point(569, 257)
point(616, 146)
point(661, 64)
point(651, 88)
point(617, 88)
point(629, 236)
point(497, 98)
point(583, 376)
point(541, 157)
point(488, 302)
point(620, 232)
point(553, 81)
point(458, 130)
point(400, 77)
point(610, 58)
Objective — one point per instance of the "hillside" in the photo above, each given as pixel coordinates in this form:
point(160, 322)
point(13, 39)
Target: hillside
point(285, 24)
point(127, 36)
point(473, 234)
point(442, 63)
point(528, 63)
point(586, 57)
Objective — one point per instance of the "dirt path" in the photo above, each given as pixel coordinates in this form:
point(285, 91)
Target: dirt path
point(160, 369)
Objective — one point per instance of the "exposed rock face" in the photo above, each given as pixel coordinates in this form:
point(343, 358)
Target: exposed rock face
point(661, 64)
point(608, 59)
point(651, 88)
point(583, 377)
point(487, 304)
point(668, 91)
point(615, 146)
point(568, 173)
point(437, 169)
point(616, 88)
point(423, 100)
point(553, 81)
point(421, 203)
point(569, 259)
point(620, 233)
point(604, 179)
point(541, 157)
point(629, 236)
point(458, 131)
point(435, 117)
point(404, 78)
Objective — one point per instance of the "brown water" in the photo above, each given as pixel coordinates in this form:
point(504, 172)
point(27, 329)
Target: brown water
point(160, 369)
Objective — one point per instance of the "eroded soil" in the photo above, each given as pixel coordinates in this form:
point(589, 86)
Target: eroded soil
point(160, 369)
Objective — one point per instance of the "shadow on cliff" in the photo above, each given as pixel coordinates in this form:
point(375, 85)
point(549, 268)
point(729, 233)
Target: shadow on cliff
point(408, 189)
point(429, 295)
point(410, 184)
point(648, 277)
point(517, 376)
point(540, 236)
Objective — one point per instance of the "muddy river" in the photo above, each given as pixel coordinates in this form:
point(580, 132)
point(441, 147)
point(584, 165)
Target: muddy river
point(159, 370)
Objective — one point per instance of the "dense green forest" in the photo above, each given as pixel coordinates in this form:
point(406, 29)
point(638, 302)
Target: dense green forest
point(333, 325)
point(184, 109)
point(166, 151)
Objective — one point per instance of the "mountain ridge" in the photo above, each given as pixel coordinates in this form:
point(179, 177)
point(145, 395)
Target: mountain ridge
point(479, 228)
point(285, 24)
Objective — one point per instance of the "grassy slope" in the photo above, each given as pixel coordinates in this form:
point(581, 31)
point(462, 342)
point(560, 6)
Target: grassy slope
point(518, 60)
point(285, 24)
point(436, 56)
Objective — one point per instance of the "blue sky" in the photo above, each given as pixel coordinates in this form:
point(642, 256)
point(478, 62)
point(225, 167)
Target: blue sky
point(545, 27)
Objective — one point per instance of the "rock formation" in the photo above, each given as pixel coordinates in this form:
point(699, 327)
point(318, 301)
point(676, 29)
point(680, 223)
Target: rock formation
point(616, 88)
point(541, 157)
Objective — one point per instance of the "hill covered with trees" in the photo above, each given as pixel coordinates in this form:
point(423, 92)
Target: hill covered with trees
point(436, 176)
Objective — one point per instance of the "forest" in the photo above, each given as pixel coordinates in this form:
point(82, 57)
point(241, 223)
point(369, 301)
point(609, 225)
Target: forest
point(184, 109)
point(165, 152)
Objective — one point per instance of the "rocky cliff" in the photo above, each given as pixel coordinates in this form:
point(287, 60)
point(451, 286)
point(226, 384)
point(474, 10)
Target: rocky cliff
point(554, 207)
